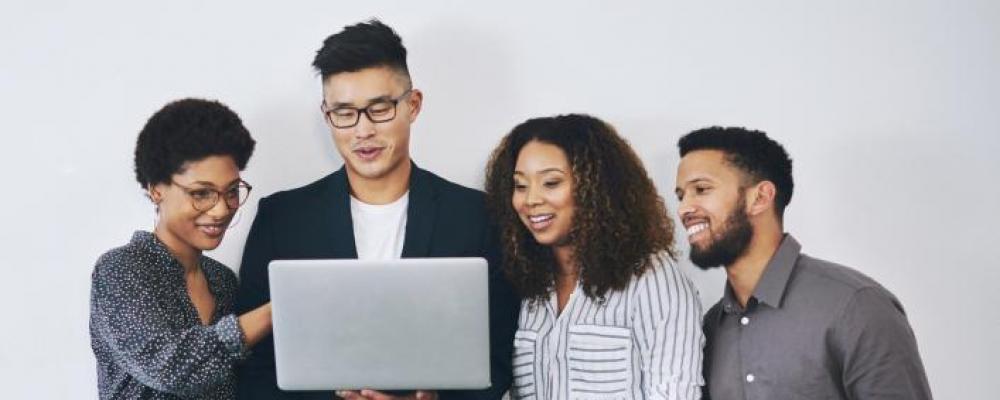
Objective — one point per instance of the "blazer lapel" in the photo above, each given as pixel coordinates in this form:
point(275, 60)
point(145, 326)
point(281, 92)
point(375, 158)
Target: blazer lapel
point(420, 215)
point(337, 199)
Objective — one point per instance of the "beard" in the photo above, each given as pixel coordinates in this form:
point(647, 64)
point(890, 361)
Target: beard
point(729, 244)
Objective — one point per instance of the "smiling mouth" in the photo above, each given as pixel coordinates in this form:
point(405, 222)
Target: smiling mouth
point(212, 230)
point(696, 228)
point(540, 221)
point(368, 153)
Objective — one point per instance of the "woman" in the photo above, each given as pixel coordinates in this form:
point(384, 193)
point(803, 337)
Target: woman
point(161, 313)
point(588, 244)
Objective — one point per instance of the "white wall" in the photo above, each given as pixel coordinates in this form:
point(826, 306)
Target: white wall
point(889, 109)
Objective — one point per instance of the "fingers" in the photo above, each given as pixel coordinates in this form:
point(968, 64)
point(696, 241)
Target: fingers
point(426, 395)
point(350, 395)
point(376, 395)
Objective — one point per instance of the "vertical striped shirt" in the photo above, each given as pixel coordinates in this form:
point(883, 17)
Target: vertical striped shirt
point(643, 342)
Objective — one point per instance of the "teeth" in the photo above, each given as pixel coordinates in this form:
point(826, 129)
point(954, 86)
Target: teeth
point(540, 218)
point(693, 229)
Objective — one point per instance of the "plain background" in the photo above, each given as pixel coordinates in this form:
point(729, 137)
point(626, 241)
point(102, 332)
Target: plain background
point(889, 109)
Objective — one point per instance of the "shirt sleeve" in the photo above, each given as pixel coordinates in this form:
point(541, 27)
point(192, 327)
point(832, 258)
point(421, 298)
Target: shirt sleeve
point(878, 349)
point(179, 361)
point(667, 326)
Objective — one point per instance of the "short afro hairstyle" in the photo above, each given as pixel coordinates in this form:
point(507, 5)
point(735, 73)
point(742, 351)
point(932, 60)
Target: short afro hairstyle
point(189, 130)
point(359, 46)
point(758, 156)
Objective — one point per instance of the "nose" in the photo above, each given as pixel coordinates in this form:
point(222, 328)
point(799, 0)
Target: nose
point(685, 207)
point(532, 197)
point(220, 209)
point(365, 127)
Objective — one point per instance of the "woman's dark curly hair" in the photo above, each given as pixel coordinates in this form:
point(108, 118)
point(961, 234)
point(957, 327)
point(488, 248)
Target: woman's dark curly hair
point(189, 130)
point(620, 223)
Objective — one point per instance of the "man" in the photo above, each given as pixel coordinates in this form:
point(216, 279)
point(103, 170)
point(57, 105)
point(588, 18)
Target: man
point(789, 326)
point(379, 205)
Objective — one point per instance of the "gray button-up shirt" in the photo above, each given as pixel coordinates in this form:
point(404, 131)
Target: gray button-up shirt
point(812, 330)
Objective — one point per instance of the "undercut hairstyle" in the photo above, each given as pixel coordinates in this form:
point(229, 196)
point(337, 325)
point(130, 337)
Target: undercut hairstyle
point(620, 224)
point(359, 46)
point(759, 157)
point(189, 130)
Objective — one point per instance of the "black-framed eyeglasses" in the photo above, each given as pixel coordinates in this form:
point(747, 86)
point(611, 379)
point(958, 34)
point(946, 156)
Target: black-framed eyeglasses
point(203, 198)
point(382, 110)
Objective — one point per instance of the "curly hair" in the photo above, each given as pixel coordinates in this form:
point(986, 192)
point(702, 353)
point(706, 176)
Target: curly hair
point(619, 225)
point(758, 156)
point(189, 130)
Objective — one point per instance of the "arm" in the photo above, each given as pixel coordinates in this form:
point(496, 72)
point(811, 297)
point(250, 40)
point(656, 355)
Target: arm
point(878, 350)
point(667, 326)
point(184, 362)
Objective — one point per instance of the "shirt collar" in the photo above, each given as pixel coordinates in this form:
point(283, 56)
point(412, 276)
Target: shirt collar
point(773, 282)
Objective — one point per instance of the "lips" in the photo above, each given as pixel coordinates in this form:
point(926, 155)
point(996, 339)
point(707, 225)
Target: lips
point(368, 153)
point(539, 222)
point(212, 230)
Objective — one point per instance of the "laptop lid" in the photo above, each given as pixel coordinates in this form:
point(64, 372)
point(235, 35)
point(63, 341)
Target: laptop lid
point(389, 325)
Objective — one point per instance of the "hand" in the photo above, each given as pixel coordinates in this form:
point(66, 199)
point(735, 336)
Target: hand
point(369, 394)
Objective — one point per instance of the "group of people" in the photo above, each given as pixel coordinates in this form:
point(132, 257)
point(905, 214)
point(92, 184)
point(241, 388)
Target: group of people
point(586, 299)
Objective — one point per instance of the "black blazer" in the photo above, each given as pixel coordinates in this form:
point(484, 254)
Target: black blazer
point(443, 220)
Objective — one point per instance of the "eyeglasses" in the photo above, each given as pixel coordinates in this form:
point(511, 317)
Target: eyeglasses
point(382, 110)
point(203, 199)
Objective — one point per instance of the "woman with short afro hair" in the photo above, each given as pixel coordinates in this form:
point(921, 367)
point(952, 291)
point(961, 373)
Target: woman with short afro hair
point(161, 313)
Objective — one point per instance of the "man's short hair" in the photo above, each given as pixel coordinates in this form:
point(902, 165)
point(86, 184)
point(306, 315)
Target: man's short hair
point(359, 46)
point(758, 156)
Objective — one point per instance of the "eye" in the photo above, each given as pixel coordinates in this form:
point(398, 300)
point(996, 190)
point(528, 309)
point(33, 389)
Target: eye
point(343, 112)
point(201, 194)
point(702, 189)
point(381, 108)
point(520, 187)
point(552, 184)
point(233, 193)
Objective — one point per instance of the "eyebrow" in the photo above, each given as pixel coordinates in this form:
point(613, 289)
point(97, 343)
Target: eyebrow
point(207, 183)
point(547, 170)
point(692, 181)
point(370, 101)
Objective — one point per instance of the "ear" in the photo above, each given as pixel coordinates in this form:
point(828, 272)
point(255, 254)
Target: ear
point(155, 193)
point(416, 102)
point(760, 198)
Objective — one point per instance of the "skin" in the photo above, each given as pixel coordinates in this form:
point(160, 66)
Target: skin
point(708, 191)
point(377, 155)
point(543, 200)
point(187, 232)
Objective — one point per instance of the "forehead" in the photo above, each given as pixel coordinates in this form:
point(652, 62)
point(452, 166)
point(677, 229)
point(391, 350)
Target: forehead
point(219, 170)
point(707, 165)
point(538, 156)
point(362, 85)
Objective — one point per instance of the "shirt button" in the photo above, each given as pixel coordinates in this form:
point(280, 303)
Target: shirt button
point(750, 378)
point(744, 320)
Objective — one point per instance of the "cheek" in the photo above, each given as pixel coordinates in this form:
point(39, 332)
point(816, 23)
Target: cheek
point(517, 201)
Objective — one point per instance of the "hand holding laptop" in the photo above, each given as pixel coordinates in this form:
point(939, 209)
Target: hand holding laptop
point(368, 394)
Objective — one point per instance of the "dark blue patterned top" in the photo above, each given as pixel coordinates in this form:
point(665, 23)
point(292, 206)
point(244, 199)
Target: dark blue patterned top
point(145, 331)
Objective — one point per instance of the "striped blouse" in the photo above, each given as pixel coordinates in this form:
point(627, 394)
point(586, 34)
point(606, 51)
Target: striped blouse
point(643, 342)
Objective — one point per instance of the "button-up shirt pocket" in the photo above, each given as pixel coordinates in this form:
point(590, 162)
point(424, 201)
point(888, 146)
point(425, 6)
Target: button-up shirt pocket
point(524, 365)
point(600, 364)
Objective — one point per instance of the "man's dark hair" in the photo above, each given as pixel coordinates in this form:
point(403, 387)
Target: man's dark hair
point(359, 46)
point(760, 157)
point(189, 130)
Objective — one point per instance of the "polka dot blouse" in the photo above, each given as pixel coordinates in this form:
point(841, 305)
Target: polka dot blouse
point(145, 331)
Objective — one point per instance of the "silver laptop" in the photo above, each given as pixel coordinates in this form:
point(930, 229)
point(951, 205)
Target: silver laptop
point(390, 325)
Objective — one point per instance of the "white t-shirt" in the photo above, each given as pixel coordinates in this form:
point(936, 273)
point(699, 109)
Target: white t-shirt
point(379, 230)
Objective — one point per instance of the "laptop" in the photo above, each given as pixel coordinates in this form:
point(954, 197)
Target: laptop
point(399, 324)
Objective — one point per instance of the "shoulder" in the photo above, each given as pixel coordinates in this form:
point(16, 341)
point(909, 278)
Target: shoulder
point(132, 262)
point(664, 282)
point(843, 279)
point(293, 197)
point(452, 192)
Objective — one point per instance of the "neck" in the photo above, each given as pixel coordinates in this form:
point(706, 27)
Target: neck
point(186, 255)
point(566, 265)
point(382, 190)
point(745, 272)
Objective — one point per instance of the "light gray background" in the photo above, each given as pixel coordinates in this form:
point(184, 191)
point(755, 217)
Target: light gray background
point(889, 109)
